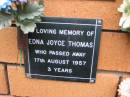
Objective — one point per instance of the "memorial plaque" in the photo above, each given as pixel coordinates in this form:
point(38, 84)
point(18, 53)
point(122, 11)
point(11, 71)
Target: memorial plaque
point(64, 49)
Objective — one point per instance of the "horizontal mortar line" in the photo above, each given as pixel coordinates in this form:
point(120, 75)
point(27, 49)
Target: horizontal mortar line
point(70, 23)
point(98, 70)
point(11, 64)
point(120, 73)
point(105, 30)
point(115, 31)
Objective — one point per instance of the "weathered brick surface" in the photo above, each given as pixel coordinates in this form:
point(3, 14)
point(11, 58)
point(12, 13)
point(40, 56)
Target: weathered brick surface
point(114, 52)
point(8, 45)
point(21, 86)
point(3, 84)
point(102, 9)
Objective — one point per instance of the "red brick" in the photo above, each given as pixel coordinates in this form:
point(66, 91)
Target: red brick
point(102, 9)
point(114, 52)
point(8, 45)
point(9, 51)
point(21, 86)
point(3, 84)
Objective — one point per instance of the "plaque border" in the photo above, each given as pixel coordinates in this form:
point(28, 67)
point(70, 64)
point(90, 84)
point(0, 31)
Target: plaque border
point(91, 79)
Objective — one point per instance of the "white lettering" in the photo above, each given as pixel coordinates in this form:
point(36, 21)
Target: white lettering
point(57, 61)
point(90, 33)
point(56, 42)
point(63, 70)
point(40, 52)
point(78, 54)
point(39, 60)
point(49, 68)
point(71, 32)
point(79, 63)
point(59, 53)
point(80, 44)
point(36, 41)
point(46, 31)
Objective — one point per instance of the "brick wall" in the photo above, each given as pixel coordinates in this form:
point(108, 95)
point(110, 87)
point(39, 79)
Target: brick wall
point(113, 61)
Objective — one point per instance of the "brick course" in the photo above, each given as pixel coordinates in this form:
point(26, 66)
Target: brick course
point(20, 85)
point(102, 9)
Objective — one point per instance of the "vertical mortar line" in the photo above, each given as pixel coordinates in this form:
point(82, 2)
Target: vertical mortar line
point(7, 78)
